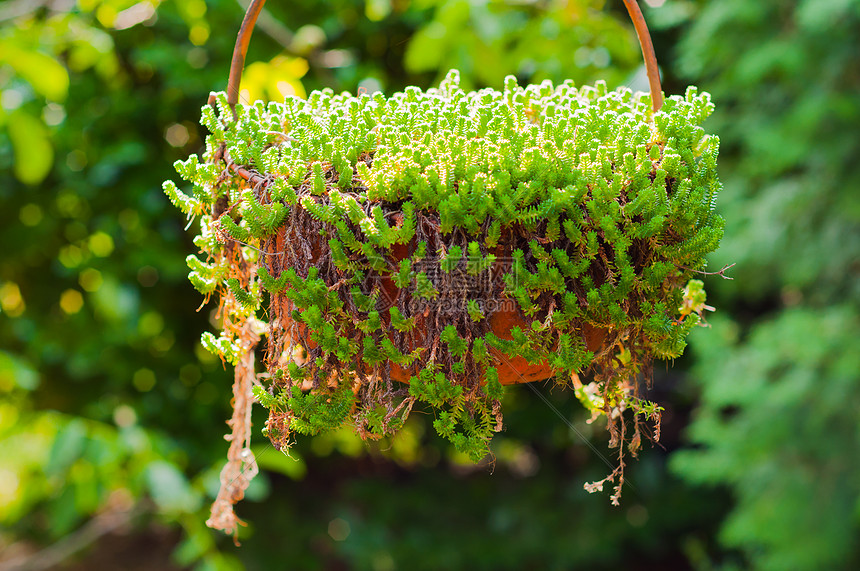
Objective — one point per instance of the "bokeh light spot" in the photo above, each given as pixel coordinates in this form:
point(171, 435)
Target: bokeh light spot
point(91, 279)
point(338, 529)
point(206, 394)
point(76, 160)
point(71, 301)
point(70, 256)
point(30, 214)
point(124, 416)
point(177, 135)
point(11, 301)
point(101, 244)
point(190, 374)
point(637, 515)
point(198, 34)
point(150, 324)
point(9, 484)
point(143, 380)
point(53, 114)
point(197, 57)
point(147, 276)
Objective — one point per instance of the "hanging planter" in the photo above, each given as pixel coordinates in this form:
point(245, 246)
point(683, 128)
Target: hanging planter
point(434, 246)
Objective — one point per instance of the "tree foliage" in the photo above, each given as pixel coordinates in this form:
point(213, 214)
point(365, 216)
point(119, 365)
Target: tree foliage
point(780, 382)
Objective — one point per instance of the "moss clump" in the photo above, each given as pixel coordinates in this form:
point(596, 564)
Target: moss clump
point(393, 235)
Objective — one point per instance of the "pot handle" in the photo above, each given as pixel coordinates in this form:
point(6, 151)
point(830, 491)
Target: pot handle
point(254, 8)
point(647, 53)
point(239, 52)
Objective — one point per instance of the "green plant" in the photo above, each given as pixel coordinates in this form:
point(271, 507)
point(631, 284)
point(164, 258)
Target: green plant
point(386, 232)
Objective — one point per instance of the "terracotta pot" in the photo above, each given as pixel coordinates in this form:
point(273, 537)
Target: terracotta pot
point(517, 370)
point(502, 321)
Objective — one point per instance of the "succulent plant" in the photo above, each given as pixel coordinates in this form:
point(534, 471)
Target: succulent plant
point(414, 247)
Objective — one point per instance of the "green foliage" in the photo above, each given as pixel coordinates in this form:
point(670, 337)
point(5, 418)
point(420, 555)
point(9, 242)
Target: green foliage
point(475, 311)
point(204, 277)
point(399, 322)
point(271, 284)
point(778, 379)
point(246, 298)
point(222, 347)
point(183, 202)
point(488, 41)
point(313, 413)
point(787, 171)
point(456, 344)
point(782, 436)
point(236, 232)
point(477, 262)
point(451, 259)
point(468, 427)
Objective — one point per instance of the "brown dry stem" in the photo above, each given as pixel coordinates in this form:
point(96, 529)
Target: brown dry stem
point(241, 465)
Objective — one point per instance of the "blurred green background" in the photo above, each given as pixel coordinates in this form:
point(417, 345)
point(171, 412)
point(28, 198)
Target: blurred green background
point(112, 416)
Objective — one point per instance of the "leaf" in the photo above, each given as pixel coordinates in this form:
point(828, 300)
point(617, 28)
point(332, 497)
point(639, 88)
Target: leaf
point(270, 459)
point(274, 80)
point(425, 50)
point(17, 371)
point(170, 489)
point(45, 74)
point(68, 446)
point(34, 154)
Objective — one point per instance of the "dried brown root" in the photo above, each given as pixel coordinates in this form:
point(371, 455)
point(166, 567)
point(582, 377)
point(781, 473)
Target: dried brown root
point(241, 466)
